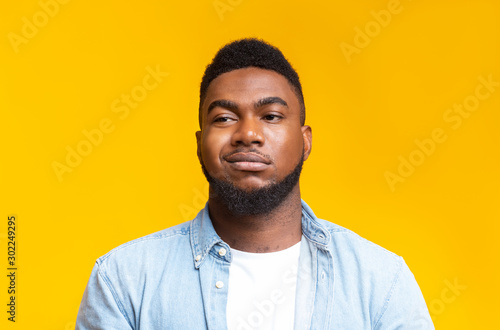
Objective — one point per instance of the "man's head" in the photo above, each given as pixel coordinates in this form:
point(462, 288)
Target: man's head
point(253, 140)
point(246, 53)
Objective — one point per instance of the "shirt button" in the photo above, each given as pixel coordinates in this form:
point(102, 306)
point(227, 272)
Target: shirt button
point(197, 258)
point(219, 284)
point(323, 276)
point(222, 252)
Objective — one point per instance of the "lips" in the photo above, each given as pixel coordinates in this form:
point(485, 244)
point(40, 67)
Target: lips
point(247, 157)
point(247, 161)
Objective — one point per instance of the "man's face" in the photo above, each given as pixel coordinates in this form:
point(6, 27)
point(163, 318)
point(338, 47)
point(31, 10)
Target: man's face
point(251, 135)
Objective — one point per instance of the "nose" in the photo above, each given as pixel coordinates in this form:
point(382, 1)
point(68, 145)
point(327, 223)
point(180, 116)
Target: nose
point(248, 132)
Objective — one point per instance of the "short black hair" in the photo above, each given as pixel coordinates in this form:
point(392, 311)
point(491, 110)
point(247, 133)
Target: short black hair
point(251, 52)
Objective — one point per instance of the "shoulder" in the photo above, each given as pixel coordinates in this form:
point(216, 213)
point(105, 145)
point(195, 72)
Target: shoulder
point(148, 249)
point(356, 256)
point(345, 244)
point(137, 271)
point(367, 274)
point(350, 242)
point(371, 278)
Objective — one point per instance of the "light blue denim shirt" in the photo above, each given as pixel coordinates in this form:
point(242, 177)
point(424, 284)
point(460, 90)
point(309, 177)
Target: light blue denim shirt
point(177, 279)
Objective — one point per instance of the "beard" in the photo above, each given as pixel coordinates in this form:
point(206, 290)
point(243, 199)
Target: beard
point(256, 201)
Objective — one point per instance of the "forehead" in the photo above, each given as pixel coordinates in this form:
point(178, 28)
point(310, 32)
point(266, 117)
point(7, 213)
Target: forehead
point(247, 85)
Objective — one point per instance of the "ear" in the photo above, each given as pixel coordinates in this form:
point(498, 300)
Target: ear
point(198, 144)
point(307, 136)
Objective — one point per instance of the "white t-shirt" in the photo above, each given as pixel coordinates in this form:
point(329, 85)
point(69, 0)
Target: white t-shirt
point(261, 293)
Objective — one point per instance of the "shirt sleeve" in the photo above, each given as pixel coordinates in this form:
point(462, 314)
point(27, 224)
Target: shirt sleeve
point(405, 306)
point(99, 308)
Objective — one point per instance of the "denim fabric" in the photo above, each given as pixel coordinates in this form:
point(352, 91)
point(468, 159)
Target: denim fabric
point(176, 279)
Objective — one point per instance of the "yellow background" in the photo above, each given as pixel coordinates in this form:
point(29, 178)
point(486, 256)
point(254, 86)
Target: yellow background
point(366, 110)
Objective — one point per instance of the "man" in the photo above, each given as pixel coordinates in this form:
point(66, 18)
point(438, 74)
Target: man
point(256, 257)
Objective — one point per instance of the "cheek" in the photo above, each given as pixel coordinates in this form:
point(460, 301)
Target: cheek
point(211, 147)
point(288, 150)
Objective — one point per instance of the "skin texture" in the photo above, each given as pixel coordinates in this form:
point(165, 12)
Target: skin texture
point(251, 136)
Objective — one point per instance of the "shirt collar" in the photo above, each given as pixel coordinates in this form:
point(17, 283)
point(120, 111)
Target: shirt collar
point(203, 235)
point(312, 229)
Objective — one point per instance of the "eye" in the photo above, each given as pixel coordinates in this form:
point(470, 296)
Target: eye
point(222, 119)
point(272, 117)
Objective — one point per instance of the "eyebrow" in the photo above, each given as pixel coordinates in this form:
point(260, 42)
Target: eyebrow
point(223, 104)
point(260, 103)
point(270, 100)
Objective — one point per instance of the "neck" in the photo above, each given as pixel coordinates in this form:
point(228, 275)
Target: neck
point(270, 232)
